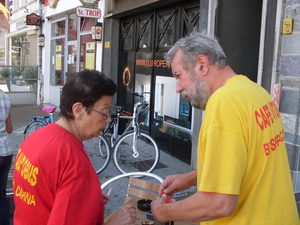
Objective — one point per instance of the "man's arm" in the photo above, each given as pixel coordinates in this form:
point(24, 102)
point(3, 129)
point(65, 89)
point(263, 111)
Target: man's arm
point(202, 206)
point(178, 182)
point(9, 126)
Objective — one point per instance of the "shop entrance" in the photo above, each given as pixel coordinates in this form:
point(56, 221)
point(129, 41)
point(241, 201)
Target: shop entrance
point(142, 68)
point(243, 27)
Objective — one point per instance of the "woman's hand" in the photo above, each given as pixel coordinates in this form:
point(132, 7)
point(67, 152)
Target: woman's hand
point(106, 198)
point(124, 216)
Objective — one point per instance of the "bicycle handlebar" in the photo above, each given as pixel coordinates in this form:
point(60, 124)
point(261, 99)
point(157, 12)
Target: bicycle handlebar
point(136, 94)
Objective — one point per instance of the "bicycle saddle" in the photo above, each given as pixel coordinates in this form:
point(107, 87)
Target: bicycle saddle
point(49, 109)
point(118, 107)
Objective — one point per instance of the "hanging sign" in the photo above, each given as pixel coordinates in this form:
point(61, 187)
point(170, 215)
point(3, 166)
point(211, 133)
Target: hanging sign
point(89, 3)
point(33, 19)
point(88, 12)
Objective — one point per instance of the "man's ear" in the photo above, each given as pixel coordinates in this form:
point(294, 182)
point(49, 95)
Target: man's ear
point(202, 64)
point(77, 109)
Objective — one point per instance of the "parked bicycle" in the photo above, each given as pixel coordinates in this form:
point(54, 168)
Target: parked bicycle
point(133, 151)
point(37, 122)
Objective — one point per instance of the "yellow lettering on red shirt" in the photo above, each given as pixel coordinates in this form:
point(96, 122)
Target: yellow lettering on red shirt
point(26, 169)
point(25, 196)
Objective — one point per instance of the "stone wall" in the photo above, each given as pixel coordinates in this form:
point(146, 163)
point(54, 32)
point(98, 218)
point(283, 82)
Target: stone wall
point(290, 95)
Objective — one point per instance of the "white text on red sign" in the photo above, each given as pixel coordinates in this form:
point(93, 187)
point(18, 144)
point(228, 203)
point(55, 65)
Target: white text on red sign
point(88, 12)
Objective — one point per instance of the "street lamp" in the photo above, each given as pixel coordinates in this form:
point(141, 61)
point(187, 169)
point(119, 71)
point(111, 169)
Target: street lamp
point(97, 31)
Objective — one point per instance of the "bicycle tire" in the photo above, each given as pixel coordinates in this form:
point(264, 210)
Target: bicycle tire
point(33, 127)
point(147, 148)
point(99, 153)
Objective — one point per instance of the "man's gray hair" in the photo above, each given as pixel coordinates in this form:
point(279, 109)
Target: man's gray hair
point(196, 44)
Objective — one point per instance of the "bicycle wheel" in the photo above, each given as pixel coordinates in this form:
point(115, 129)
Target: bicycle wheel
point(146, 159)
point(99, 153)
point(32, 127)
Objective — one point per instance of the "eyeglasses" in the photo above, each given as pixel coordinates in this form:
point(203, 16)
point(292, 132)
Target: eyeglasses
point(106, 115)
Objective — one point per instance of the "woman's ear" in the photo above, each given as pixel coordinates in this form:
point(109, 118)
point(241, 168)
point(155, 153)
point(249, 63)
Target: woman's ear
point(77, 110)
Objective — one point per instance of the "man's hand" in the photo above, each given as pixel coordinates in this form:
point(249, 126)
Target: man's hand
point(157, 204)
point(177, 182)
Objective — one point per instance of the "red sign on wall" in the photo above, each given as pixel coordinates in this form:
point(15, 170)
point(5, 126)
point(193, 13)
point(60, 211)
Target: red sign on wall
point(33, 19)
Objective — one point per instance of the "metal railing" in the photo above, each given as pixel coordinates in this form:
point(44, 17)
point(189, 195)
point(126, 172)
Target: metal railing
point(18, 78)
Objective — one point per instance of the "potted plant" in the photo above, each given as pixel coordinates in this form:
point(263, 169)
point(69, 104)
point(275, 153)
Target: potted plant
point(5, 73)
point(32, 74)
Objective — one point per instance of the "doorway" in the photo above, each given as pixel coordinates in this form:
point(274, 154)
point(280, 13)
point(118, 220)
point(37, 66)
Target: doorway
point(144, 39)
point(238, 27)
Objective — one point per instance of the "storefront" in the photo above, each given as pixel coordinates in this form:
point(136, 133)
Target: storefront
point(140, 34)
point(144, 38)
point(69, 47)
point(72, 47)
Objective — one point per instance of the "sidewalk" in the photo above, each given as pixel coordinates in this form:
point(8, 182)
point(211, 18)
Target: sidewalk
point(168, 165)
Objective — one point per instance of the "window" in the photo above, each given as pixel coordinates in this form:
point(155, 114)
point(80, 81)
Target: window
point(58, 28)
point(23, 2)
point(72, 29)
point(20, 51)
point(57, 61)
point(57, 66)
point(72, 48)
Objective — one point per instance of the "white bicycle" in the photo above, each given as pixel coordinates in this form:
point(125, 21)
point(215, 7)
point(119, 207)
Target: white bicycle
point(133, 151)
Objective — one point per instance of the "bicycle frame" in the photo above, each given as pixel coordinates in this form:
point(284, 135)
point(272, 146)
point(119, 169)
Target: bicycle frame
point(115, 125)
point(42, 119)
point(132, 150)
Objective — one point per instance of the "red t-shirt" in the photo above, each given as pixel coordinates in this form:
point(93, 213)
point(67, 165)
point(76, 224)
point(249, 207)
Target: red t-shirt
point(54, 181)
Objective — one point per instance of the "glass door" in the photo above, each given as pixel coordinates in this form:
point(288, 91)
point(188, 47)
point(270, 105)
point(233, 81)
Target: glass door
point(71, 60)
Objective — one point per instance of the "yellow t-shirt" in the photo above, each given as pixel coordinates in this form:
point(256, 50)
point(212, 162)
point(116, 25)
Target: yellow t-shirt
point(241, 151)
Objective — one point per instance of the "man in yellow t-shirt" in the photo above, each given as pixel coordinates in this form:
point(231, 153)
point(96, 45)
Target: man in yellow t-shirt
point(243, 175)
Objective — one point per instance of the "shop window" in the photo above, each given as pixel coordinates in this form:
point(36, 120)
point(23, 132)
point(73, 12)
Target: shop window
point(66, 58)
point(87, 52)
point(190, 19)
point(57, 62)
point(127, 35)
point(58, 28)
point(71, 61)
point(166, 26)
point(144, 29)
point(86, 23)
point(143, 86)
point(72, 30)
point(20, 51)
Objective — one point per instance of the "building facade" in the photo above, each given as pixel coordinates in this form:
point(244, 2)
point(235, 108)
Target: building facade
point(289, 77)
point(21, 52)
point(4, 29)
point(69, 46)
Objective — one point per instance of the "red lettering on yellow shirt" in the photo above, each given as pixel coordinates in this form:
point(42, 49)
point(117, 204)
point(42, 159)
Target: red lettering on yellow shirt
point(274, 143)
point(266, 115)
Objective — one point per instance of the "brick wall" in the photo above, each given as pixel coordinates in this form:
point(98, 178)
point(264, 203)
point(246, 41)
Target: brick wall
point(3, 22)
point(290, 95)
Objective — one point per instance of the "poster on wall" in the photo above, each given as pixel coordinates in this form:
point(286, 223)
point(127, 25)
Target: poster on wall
point(90, 56)
point(58, 57)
